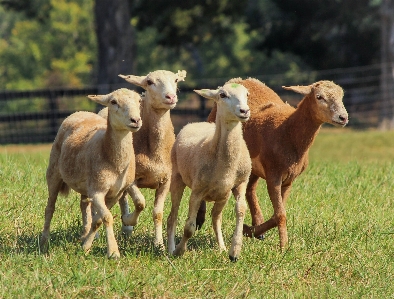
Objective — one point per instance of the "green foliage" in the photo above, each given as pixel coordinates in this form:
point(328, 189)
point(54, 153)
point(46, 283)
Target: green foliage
point(340, 225)
point(57, 52)
point(215, 60)
point(37, 9)
point(184, 22)
point(53, 42)
point(326, 34)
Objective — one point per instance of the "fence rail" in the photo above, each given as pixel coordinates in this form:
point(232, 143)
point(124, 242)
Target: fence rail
point(35, 116)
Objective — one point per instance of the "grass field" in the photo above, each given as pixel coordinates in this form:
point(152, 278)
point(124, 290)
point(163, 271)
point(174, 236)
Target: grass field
point(340, 225)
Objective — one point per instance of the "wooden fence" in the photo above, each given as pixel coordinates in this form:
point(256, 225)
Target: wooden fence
point(26, 124)
point(35, 116)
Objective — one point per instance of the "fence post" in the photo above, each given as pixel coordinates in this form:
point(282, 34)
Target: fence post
point(202, 107)
point(387, 65)
point(53, 112)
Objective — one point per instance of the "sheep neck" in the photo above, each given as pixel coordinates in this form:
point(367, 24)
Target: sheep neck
point(156, 129)
point(226, 142)
point(302, 127)
point(116, 146)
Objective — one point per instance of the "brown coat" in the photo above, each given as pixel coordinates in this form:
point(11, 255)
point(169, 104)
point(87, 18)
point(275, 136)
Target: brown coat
point(278, 137)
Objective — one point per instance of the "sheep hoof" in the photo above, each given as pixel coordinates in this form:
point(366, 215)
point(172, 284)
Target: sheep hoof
point(233, 258)
point(179, 251)
point(199, 221)
point(261, 237)
point(97, 236)
point(86, 246)
point(198, 225)
point(127, 230)
point(247, 231)
point(160, 246)
point(114, 255)
point(44, 245)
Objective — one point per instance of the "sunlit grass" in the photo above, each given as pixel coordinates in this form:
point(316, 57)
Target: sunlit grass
point(340, 224)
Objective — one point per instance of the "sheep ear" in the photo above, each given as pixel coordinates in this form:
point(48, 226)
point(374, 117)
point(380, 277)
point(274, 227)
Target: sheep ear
point(210, 94)
point(136, 80)
point(299, 89)
point(100, 99)
point(181, 75)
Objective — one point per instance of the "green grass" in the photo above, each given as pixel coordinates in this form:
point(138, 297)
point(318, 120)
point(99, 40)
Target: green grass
point(340, 225)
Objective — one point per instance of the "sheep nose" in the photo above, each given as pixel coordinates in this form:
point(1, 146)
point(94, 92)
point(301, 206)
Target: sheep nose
point(245, 111)
point(171, 96)
point(343, 119)
point(135, 120)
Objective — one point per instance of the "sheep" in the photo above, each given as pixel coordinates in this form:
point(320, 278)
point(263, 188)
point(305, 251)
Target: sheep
point(213, 161)
point(94, 157)
point(278, 137)
point(152, 146)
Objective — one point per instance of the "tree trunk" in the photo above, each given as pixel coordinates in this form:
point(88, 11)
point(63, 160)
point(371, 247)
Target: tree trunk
point(387, 65)
point(115, 40)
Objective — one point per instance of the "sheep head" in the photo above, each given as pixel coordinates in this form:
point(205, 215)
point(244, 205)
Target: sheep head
point(326, 99)
point(231, 100)
point(123, 108)
point(161, 87)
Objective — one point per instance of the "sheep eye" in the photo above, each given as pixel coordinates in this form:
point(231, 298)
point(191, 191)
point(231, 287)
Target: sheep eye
point(113, 102)
point(319, 97)
point(150, 82)
point(223, 95)
point(176, 80)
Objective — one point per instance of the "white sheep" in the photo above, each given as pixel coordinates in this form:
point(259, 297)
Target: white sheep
point(213, 161)
point(152, 146)
point(94, 157)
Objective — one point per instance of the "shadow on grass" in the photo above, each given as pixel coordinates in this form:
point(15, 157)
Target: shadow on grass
point(28, 243)
point(139, 243)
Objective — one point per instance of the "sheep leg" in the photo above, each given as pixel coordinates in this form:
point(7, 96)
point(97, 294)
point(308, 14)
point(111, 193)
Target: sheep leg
point(253, 200)
point(158, 208)
point(86, 211)
point(130, 220)
point(253, 203)
point(139, 204)
point(177, 188)
point(102, 215)
point(275, 194)
point(190, 226)
point(217, 222)
point(279, 217)
point(201, 215)
point(240, 210)
point(286, 192)
point(124, 211)
point(54, 185)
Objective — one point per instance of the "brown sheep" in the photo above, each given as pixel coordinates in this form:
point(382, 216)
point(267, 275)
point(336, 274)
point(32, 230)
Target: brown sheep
point(278, 137)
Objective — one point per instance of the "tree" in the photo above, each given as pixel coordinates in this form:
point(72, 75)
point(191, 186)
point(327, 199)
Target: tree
point(56, 49)
point(55, 44)
point(188, 24)
point(38, 9)
point(185, 22)
point(387, 65)
point(115, 41)
point(326, 34)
